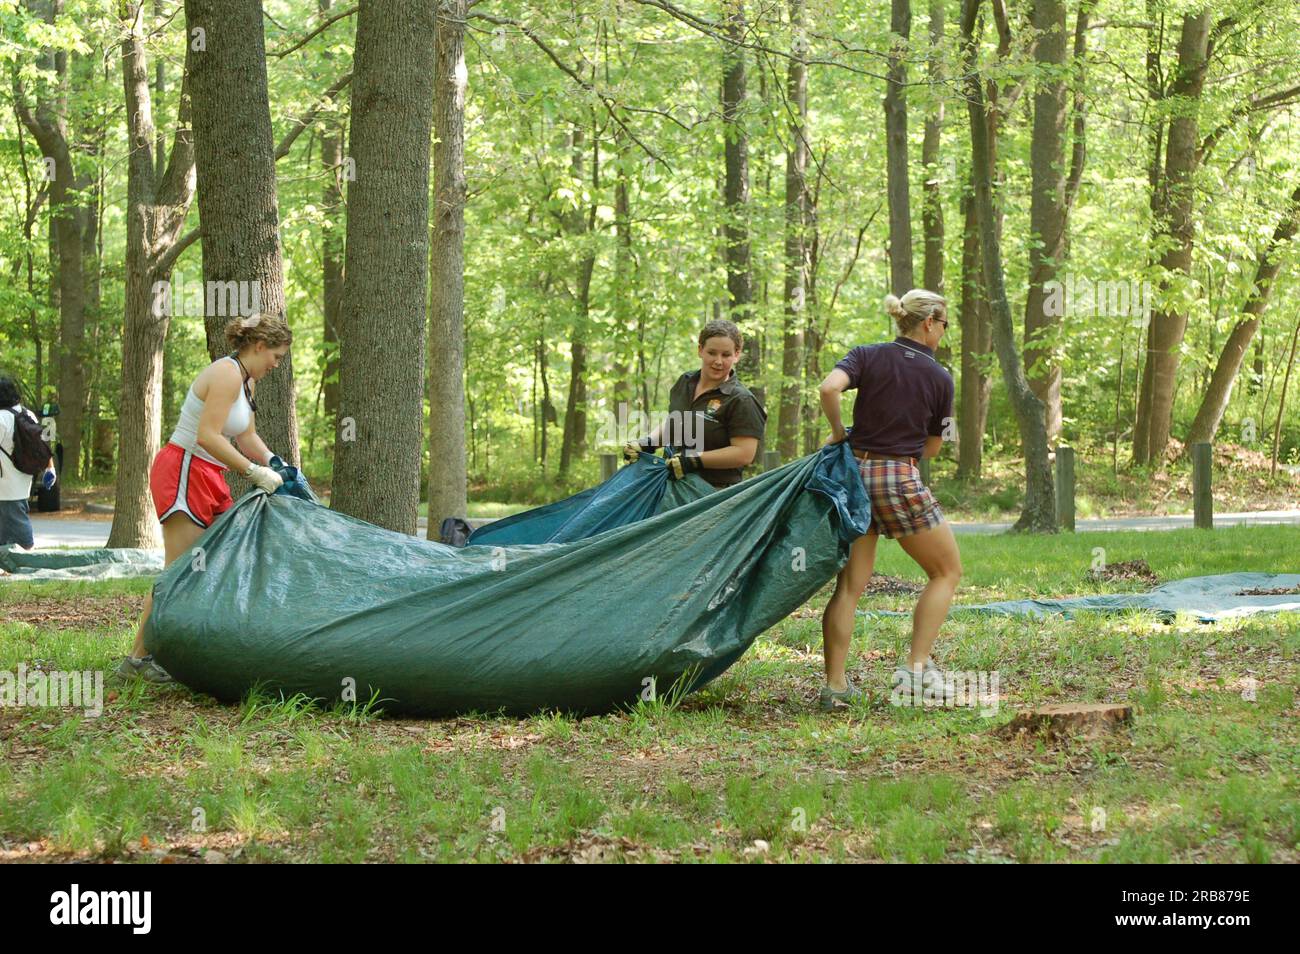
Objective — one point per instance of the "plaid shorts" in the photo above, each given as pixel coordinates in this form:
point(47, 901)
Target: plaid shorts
point(900, 504)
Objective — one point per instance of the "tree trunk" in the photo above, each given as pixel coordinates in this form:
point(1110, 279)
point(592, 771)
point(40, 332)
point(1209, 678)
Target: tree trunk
point(932, 200)
point(1039, 513)
point(796, 249)
point(580, 223)
point(381, 378)
point(156, 208)
point(1219, 391)
point(740, 278)
point(900, 211)
point(1173, 205)
point(976, 341)
point(625, 328)
point(332, 251)
point(1047, 208)
point(238, 210)
point(49, 126)
point(447, 474)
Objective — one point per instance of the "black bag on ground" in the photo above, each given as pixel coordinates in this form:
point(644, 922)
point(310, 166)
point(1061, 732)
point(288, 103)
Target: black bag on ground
point(31, 453)
point(48, 501)
point(454, 532)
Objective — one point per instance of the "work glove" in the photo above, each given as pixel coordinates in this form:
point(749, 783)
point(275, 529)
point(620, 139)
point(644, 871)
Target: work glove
point(264, 478)
point(633, 449)
point(683, 464)
point(48, 478)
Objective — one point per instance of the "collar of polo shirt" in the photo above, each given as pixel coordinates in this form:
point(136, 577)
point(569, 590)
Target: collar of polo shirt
point(726, 387)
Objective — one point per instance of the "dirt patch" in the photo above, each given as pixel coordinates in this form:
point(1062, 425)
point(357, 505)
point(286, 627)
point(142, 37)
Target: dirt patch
point(891, 586)
point(50, 612)
point(1276, 591)
point(1133, 570)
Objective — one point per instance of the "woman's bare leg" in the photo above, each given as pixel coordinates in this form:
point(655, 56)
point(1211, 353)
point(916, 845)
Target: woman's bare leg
point(935, 551)
point(837, 621)
point(179, 535)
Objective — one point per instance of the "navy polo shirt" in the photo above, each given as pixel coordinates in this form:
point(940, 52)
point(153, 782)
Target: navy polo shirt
point(904, 394)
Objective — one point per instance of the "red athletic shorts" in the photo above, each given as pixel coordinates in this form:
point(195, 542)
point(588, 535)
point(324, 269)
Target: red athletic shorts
point(183, 483)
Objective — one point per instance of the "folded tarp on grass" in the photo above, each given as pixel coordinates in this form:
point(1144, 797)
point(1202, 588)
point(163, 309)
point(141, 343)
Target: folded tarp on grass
point(298, 598)
point(1207, 598)
point(635, 492)
point(90, 564)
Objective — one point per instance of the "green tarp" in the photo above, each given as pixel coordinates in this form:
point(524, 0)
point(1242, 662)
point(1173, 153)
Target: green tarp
point(298, 598)
point(89, 564)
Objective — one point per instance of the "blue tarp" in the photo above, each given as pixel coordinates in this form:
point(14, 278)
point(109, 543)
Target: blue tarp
point(635, 492)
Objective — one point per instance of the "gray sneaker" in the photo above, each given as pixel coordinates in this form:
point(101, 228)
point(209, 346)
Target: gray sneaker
point(832, 699)
point(143, 668)
point(927, 685)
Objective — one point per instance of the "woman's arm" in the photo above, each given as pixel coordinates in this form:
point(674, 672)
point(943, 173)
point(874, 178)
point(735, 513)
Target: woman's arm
point(223, 391)
point(933, 445)
point(249, 441)
point(739, 454)
point(831, 389)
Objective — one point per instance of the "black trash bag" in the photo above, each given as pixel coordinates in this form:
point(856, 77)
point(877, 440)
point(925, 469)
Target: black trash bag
point(454, 532)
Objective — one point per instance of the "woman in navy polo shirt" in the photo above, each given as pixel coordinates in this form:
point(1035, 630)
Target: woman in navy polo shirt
point(903, 405)
point(714, 422)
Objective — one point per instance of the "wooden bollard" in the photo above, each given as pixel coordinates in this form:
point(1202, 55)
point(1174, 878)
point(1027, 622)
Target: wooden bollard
point(1065, 488)
point(608, 465)
point(1202, 487)
point(771, 460)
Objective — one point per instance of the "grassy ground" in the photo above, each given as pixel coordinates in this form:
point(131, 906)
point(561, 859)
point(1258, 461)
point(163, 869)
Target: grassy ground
point(743, 770)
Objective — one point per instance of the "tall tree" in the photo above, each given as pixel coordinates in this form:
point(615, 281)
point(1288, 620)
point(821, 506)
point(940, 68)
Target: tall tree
point(896, 167)
point(447, 477)
point(381, 380)
point(49, 126)
point(740, 277)
point(1173, 204)
point(238, 208)
point(1215, 400)
point(156, 208)
point(580, 222)
point(975, 314)
point(1047, 206)
point(932, 202)
point(332, 275)
point(796, 244)
point(1039, 512)
point(976, 342)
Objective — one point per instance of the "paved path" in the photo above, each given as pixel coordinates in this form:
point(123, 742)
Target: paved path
point(65, 532)
point(1176, 522)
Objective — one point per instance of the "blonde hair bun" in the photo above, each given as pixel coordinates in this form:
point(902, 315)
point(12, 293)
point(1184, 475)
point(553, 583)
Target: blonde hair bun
point(914, 307)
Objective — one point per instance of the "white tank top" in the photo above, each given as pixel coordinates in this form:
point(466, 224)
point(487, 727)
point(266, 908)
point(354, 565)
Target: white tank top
point(186, 434)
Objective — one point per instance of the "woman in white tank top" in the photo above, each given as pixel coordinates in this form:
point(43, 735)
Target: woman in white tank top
point(187, 480)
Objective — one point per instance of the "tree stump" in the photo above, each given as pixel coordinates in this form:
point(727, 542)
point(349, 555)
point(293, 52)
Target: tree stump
point(1071, 719)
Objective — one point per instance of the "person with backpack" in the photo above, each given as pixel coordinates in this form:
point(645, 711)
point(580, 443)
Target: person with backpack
point(23, 454)
point(187, 479)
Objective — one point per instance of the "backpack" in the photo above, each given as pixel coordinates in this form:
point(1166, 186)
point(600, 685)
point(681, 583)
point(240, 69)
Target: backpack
point(31, 454)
